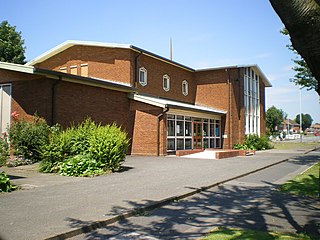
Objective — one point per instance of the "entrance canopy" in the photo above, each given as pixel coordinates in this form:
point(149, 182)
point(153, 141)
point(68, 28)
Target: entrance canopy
point(176, 106)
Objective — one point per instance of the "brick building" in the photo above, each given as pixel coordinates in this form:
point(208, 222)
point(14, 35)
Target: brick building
point(163, 105)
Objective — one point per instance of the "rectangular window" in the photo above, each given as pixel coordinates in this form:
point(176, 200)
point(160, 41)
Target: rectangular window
point(74, 70)
point(63, 69)
point(171, 144)
point(84, 70)
point(143, 76)
point(180, 144)
point(180, 128)
point(171, 128)
point(188, 129)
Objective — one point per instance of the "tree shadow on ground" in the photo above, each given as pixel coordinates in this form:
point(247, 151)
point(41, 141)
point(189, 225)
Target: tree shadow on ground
point(257, 208)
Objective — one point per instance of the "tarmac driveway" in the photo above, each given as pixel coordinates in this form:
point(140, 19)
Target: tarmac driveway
point(53, 204)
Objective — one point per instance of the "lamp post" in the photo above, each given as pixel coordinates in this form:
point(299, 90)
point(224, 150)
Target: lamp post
point(300, 117)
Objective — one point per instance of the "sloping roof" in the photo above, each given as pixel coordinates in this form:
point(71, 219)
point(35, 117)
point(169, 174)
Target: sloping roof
point(254, 66)
point(16, 67)
point(167, 103)
point(67, 77)
point(70, 43)
point(291, 122)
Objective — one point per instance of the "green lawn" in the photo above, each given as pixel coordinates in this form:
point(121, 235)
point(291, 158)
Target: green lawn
point(295, 145)
point(237, 234)
point(305, 184)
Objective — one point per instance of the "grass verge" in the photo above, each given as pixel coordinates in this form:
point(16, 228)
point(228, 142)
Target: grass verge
point(305, 184)
point(284, 145)
point(222, 233)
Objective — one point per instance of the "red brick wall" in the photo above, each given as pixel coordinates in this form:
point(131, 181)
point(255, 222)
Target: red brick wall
point(145, 131)
point(156, 69)
point(213, 91)
point(74, 102)
point(106, 63)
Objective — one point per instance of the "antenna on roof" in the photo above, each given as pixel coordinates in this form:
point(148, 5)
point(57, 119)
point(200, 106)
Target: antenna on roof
point(171, 49)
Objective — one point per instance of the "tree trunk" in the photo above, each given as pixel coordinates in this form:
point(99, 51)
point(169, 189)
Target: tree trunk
point(302, 20)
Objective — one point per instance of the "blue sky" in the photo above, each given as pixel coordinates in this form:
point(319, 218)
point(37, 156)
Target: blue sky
point(205, 33)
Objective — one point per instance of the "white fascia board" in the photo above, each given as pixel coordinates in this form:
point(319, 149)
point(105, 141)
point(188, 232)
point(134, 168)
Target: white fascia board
point(147, 100)
point(17, 67)
point(163, 103)
point(67, 44)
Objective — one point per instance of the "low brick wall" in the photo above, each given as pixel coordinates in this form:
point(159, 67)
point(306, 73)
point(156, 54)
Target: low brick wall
point(233, 153)
point(180, 153)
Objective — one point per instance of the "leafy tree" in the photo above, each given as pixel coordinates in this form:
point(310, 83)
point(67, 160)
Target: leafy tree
point(274, 117)
point(306, 120)
point(12, 47)
point(303, 76)
point(302, 19)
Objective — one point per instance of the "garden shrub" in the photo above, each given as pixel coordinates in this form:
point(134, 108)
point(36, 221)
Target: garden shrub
point(4, 149)
point(27, 138)
point(85, 150)
point(254, 142)
point(5, 185)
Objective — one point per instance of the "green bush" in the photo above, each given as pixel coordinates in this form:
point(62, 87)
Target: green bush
point(5, 185)
point(81, 166)
point(254, 142)
point(4, 150)
point(27, 138)
point(84, 150)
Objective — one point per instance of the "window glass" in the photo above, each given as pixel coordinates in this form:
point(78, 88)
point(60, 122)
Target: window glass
point(217, 130)
point(166, 82)
point(211, 130)
point(212, 143)
point(188, 129)
point(143, 76)
point(185, 88)
point(171, 129)
point(171, 144)
point(205, 130)
point(180, 128)
point(180, 144)
point(188, 143)
point(206, 143)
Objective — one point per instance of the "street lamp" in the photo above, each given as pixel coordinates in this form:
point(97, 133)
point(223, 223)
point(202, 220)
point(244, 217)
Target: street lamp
point(300, 117)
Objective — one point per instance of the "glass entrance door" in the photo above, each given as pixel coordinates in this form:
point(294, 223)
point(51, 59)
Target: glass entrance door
point(197, 135)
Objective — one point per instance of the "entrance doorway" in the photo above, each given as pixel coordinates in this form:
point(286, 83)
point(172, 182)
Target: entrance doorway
point(197, 135)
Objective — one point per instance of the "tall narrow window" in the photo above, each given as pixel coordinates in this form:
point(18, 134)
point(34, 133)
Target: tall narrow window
point(143, 76)
point(185, 88)
point(84, 69)
point(166, 82)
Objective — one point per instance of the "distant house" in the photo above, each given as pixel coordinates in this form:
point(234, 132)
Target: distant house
point(164, 106)
point(289, 126)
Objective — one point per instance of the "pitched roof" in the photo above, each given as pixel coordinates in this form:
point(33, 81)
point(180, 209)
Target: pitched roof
point(70, 43)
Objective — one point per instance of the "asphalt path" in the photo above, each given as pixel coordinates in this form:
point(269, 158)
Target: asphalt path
point(250, 202)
